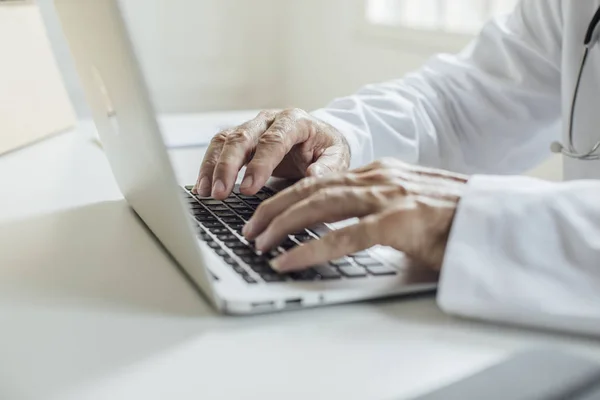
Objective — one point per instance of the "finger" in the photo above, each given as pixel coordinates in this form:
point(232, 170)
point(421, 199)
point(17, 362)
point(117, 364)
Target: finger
point(269, 209)
point(398, 165)
point(211, 157)
point(333, 159)
point(333, 245)
point(285, 132)
point(440, 173)
point(237, 149)
point(327, 205)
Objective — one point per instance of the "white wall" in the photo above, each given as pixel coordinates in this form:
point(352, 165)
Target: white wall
point(197, 55)
point(328, 55)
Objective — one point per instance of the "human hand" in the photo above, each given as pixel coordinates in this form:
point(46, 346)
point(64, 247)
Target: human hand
point(406, 207)
point(287, 144)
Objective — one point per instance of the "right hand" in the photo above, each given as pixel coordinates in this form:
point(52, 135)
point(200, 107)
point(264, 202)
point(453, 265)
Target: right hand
point(288, 144)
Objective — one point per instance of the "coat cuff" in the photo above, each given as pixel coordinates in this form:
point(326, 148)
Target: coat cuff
point(477, 274)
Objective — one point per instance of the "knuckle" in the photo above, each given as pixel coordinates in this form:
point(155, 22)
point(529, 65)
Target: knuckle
point(273, 137)
point(220, 138)
point(306, 184)
point(294, 113)
point(345, 239)
point(265, 114)
point(223, 166)
point(382, 175)
point(323, 195)
point(377, 164)
point(350, 179)
point(239, 136)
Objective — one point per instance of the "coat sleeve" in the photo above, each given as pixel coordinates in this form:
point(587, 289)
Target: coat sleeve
point(493, 108)
point(526, 251)
point(521, 250)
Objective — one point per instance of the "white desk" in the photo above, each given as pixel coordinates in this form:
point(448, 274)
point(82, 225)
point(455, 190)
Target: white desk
point(90, 308)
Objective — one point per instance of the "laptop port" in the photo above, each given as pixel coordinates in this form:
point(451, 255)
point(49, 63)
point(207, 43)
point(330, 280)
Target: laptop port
point(293, 302)
point(263, 305)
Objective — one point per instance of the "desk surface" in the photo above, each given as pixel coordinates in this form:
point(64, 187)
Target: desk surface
point(90, 308)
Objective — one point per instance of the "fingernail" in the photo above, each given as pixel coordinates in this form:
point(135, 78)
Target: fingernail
point(204, 187)
point(219, 187)
point(276, 263)
point(260, 242)
point(247, 182)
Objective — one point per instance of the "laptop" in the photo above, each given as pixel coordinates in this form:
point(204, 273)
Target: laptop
point(203, 235)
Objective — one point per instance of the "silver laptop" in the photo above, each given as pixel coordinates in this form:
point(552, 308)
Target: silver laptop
point(202, 234)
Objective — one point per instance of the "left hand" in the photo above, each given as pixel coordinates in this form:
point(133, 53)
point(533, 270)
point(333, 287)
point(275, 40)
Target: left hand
point(406, 207)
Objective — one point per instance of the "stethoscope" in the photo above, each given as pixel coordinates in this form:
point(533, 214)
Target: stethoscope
point(570, 151)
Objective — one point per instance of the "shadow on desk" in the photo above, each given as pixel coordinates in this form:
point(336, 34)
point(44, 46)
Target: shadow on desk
point(99, 256)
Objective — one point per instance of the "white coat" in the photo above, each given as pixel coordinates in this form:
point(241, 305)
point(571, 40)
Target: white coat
point(521, 250)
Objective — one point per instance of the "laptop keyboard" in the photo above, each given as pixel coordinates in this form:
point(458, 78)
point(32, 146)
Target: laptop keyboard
point(220, 225)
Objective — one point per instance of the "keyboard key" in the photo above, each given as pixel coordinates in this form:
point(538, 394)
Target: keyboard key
point(267, 190)
point(248, 279)
point(205, 218)
point(262, 269)
point(306, 275)
point(368, 262)
point(221, 252)
point(236, 245)
point(262, 195)
point(254, 203)
point(288, 244)
point(219, 230)
point(303, 238)
point(199, 211)
point(247, 197)
point(352, 271)
point(203, 235)
point(247, 259)
point(341, 262)
point(381, 270)
point(218, 208)
point(237, 225)
point(211, 202)
point(232, 200)
point(360, 254)
point(270, 277)
point(239, 206)
point(246, 214)
point(272, 254)
point(213, 224)
point(361, 258)
point(243, 252)
point(225, 213)
point(320, 230)
point(227, 237)
point(214, 245)
point(230, 261)
point(327, 272)
point(240, 270)
point(232, 220)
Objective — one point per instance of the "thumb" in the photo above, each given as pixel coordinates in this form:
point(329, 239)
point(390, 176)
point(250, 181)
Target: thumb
point(333, 159)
